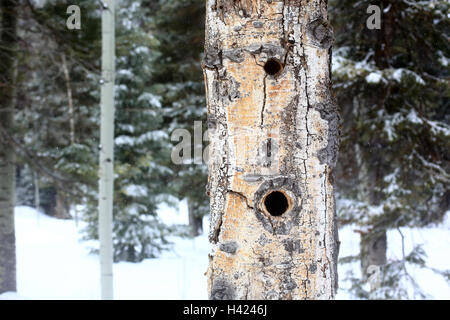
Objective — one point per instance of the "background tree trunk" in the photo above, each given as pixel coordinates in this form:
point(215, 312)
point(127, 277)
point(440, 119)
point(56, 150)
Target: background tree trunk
point(195, 221)
point(106, 163)
point(8, 54)
point(373, 250)
point(274, 138)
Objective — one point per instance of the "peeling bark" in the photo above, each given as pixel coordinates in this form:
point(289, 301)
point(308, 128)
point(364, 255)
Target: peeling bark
point(274, 135)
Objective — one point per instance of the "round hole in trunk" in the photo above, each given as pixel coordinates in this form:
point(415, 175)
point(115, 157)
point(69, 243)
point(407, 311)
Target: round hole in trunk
point(273, 67)
point(276, 203)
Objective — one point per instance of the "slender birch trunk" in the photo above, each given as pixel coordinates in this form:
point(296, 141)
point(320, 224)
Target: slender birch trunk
point(8, 41)
point(69, 99)
point(273, 131)
point(106, 185)
point(195, 222)
point(373, 244)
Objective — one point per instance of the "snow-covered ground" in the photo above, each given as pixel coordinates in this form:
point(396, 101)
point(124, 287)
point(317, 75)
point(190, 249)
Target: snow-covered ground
point(53, 263)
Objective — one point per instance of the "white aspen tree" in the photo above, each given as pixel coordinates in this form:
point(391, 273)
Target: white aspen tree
point(274, 134)
point(106, 185)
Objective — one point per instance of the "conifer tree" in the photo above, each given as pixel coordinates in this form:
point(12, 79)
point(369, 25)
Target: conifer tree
point(178, 79)
point(58, 147)
point(392, 87)
point(274, 144)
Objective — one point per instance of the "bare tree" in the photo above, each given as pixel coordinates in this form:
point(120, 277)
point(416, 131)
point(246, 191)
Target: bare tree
point(274, 135)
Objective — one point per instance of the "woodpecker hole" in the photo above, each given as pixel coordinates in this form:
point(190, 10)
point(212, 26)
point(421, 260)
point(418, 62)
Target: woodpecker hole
point(276, 203)
point(273, 67)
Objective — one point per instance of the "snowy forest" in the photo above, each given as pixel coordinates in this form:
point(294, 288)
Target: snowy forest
point(354, 128)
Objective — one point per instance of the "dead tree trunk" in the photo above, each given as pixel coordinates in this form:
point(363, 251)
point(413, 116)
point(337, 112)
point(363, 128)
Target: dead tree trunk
point(273, 132)
point(8, 41)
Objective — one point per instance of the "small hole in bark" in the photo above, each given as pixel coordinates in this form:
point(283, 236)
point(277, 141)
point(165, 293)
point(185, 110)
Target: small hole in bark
point(276, 203)
point(273, 67)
